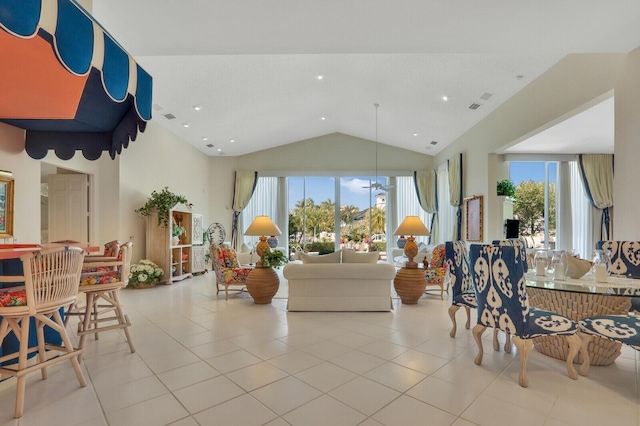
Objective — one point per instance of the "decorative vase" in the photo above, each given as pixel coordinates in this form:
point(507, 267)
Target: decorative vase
point(175, 240)
point(272, 241)
point(262, 284)
point(410, 284)
point(402, 241)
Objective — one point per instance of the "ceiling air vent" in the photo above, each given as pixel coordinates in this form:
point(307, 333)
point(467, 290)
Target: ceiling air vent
point(169, 116)
point(475, 106)
point(209, 145)
point(434, 143)
point(486, 96)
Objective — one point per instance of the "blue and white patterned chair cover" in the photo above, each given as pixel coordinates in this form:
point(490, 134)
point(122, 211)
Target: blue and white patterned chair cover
point(501, 293)
point(521, 260)
point(521, 251)
point(625, 261)
point(618, 328)
point(462, 292)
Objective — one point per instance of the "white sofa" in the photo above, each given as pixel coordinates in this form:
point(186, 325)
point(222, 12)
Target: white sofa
point(339, 286)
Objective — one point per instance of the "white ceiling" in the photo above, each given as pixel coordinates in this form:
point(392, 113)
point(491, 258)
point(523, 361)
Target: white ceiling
point(252, 64)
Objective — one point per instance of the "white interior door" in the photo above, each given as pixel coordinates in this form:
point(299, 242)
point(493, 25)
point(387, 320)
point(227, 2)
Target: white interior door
point(68, 208)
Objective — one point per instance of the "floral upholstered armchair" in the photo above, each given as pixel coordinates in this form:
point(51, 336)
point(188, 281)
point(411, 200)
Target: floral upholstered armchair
point(436, 274)
point(228, 270)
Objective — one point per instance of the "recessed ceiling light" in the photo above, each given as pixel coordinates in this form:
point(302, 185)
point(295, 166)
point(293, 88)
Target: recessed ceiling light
point(219, 149)
point(197, 107)
point(231, 140)
point(323, 118)
point(320, 76)
point(445, 98)
point(205, 138)
point(185, 124)
point(415, 134)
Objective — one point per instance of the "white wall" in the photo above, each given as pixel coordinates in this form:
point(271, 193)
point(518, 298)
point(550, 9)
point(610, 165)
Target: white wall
point(157, 159)
point(626, 224)
point(564, 89)
point(328, 155)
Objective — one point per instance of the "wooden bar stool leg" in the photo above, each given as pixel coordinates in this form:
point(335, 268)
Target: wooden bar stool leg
point(42, 356)
point(122, 318)
point(22, 364)
point(75, 360)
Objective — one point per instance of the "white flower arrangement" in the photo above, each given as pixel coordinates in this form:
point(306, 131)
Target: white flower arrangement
point(145, 272)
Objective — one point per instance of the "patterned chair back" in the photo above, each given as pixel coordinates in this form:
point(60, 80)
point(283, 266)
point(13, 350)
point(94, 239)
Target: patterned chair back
point(500, 288)
point(521, 251)
point(625, 257)
point(223, 257)
point(112, 248)
point(457, 261)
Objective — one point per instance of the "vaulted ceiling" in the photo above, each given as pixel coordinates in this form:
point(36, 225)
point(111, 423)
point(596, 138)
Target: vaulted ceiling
point(252, 66)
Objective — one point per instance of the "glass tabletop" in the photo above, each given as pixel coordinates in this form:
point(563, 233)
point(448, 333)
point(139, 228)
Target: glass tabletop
point(615, 286)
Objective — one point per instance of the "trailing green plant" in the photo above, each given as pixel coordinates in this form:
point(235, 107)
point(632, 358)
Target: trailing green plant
point(162, 201)
point(274, 259)
point(506, 187)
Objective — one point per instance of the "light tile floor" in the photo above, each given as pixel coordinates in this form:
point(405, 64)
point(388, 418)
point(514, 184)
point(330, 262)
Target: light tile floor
point(202, 360)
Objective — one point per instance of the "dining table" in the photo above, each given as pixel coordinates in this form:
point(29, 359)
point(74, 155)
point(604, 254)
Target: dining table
point(580, 298)
point(11, 265)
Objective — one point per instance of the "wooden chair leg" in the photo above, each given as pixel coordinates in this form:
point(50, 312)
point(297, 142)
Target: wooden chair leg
point(452, 314)
point(507, 343)
point(468, 323)
point(584, 351)
point(477, 335)
point(575, 342)
point(524, 347)
point(496, 344)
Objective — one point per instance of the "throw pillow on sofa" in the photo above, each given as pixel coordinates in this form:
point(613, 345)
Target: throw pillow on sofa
point(321, 258)
point(350, 256)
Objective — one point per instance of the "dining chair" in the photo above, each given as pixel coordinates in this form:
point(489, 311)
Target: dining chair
point(624, 329)
point(101, 281)
point(502, 304)
point(521, 260)
point(50, 282)
point(625, 261)
point(462, 292)
point(227, 270)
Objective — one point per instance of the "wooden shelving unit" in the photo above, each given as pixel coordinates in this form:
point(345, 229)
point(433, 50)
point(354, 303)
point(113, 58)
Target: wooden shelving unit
point(175, 259)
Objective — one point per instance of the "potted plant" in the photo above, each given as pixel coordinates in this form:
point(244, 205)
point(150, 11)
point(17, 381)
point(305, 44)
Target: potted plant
point(507, 188)
point(176, 231)
point(163, 202)
point(274, 259)
point(144, 274)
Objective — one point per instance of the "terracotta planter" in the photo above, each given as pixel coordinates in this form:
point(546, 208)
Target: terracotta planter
point(262, 284)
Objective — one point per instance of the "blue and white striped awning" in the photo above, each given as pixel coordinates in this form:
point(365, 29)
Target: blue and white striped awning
point(114, 93)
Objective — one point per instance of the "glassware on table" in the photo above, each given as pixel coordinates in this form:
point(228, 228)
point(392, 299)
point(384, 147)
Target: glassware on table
point(541, 261)
point(601, 261)
point(559, 265)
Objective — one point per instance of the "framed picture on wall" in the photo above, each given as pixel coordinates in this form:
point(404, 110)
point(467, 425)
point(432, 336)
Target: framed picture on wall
point(474, 217)
point(6, 206)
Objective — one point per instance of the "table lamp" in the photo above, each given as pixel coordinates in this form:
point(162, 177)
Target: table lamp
point(411, 225)
point(260, 227)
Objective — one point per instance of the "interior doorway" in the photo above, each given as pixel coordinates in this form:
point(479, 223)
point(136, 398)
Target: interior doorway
point(64, 204)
